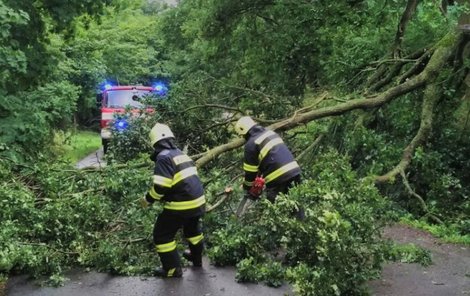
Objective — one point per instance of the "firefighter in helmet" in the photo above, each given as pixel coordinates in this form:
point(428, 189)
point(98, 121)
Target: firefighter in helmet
point(266, 156)
point(177, 185)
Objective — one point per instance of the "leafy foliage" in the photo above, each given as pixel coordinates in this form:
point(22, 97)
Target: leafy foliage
point(126, 144)
point(12, 59)
point(90, 220)
point(27, 127)
point(93, 220)
point(449, 232)
point(272, 273)
point(334, 251)
point(28, 29)
point(409, 253)
point(36, 96)
point(437, 172)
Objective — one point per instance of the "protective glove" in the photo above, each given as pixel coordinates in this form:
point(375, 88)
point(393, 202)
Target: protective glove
point(143, 202)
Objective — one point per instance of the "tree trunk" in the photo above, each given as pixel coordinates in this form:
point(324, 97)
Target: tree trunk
point(405, 18)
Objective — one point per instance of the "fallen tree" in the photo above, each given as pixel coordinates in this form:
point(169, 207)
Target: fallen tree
point(417, 78)
point(444, 50)
point(56, 217)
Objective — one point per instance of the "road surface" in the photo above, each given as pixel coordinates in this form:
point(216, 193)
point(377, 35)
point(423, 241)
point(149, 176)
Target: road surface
point(94, 159)
point(208, 281)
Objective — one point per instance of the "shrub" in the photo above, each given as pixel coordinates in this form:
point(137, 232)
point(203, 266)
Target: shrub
point(333, 251)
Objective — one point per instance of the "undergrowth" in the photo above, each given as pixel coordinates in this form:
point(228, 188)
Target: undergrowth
point(450, 233)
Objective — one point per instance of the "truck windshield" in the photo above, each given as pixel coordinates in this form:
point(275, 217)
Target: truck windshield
point(123, 98)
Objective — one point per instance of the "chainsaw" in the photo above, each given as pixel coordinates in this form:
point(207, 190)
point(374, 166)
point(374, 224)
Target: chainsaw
point(255, 191)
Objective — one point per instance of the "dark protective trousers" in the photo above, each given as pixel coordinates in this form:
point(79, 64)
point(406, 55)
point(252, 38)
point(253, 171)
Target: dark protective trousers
point(164, 231)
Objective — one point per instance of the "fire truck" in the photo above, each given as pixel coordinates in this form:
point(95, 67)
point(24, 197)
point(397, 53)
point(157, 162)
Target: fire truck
point(114, 100)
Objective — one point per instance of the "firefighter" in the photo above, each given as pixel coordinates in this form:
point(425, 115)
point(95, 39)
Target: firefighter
point(177, 185)
point(267, 156)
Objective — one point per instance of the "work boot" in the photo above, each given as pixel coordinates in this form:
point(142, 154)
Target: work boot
point(188, 256)
point(171, 266)
point(175, 272)
point(194, 254)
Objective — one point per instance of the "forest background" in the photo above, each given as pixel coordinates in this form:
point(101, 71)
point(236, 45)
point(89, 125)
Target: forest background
point(371, 95)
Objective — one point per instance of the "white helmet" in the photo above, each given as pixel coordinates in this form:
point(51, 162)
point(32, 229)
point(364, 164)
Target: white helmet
point(244, 124)
point(160, 132)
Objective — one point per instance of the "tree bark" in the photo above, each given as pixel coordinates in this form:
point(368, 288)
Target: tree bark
point(410, 9)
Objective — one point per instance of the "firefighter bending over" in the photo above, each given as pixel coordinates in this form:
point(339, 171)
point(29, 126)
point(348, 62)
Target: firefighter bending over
point(177, 185)
point(266, 156)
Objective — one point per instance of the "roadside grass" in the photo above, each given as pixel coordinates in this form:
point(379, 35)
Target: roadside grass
point(3, 282)
point(78, 144)
point(448, 233)
point(408, 253)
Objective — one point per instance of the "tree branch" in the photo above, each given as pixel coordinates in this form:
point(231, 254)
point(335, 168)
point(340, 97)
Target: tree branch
point(410, 9)
point(266, 96)
point(376, 76)
point(434, 66)
point(222, 123)
point(395, 69)
point(419, 198)
point(387, 79)
point(419, 65)
point(394, 61)
point(431, 95)
point(226, 194)
point(321, 98)
point(309, 149)
point(216, 151)
point(213, 106)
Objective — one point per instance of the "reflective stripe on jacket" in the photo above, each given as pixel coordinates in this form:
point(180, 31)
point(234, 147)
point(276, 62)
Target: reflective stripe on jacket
point(176, 183)
point(267, 155)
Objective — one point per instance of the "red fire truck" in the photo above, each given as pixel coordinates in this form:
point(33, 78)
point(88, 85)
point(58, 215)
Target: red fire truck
point(115, 99)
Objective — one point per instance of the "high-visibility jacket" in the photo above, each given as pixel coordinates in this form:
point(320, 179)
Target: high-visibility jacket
point(176, 183)
point(267, 155)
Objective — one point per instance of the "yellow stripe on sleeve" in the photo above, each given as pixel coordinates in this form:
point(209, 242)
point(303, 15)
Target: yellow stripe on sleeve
point(162, 181)
point(250, 168)
point(281, 171)
point(181, 175)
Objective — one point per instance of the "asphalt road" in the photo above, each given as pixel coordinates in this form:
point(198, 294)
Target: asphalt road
point(94, 159)
point(208, 281)
point(448, 275)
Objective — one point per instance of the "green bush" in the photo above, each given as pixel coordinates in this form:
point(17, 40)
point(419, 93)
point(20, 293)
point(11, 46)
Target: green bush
point(335, 250)
point(54, 217)
point(408, 253)
point(272, 273)
point(27, 129)
point(126, 144)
